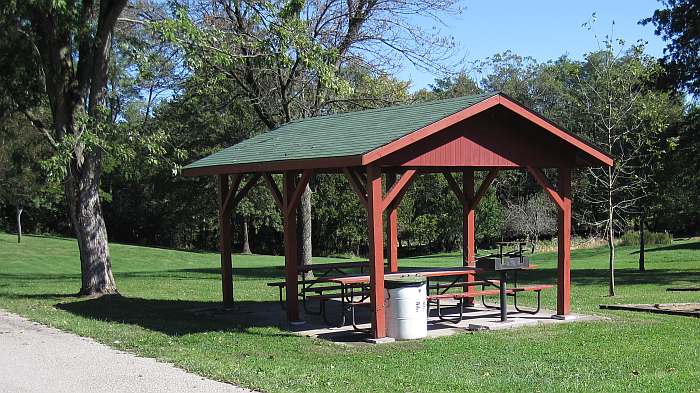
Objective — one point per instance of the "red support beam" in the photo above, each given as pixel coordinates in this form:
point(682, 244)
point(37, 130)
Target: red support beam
point(225, 241)
point(290, 246)
point(231, 193)
point(376, 250)
point(454, 186)
point(476, 198)
point(398, 189)
point(564, 244)
point(293, 200)
point(276, 194)
point(544, 183)
point(469, 217)
point(392, 229)
point(244, 191)
point(356, 185)
point(468, 228)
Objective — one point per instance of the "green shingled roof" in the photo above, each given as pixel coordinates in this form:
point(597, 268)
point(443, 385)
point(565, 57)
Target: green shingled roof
point(339, 135)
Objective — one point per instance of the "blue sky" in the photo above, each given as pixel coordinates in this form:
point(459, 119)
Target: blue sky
point(543, 29)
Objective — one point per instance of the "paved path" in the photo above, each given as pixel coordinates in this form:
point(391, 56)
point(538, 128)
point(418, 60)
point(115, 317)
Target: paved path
point(35, 358)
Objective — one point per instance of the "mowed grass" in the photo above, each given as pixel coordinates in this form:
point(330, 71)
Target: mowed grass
point(629, 352)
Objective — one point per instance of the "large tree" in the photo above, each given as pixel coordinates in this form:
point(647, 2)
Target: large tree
point(287, 57)
point(679, 25)
point(64, 48)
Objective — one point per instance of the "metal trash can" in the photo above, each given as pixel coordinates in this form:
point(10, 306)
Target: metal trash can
point(405, 307)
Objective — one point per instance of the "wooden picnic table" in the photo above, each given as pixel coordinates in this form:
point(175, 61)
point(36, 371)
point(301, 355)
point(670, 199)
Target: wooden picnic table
point(428, 273)
point(333, 266)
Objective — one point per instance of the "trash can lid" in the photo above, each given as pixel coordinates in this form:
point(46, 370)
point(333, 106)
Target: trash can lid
point(407, 280)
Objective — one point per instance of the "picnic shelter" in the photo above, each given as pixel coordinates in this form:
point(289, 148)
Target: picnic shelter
point(486, 132)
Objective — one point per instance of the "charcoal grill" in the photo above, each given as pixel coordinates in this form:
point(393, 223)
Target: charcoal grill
point(503, 262)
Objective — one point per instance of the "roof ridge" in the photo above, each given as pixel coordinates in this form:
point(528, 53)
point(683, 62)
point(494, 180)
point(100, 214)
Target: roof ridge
point(485, 95)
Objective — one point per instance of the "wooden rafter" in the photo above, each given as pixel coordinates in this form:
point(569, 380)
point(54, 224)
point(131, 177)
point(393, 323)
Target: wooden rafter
point(356, 185)
point(231, 193)
point(483, 188)
point(544, 183)
point(274, 189)
point(394, 195)
point(294, 199)
point(454, 186)
point(246, 188)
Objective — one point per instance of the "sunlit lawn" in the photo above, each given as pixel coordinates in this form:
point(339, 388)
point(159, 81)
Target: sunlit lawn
point(631, 352)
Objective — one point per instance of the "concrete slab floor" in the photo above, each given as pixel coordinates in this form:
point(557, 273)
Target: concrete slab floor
point(476, 318)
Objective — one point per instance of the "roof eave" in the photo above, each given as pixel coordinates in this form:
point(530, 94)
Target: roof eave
point(318, 164)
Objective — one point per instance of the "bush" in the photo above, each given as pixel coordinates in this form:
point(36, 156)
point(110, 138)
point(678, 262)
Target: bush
point(631, 238)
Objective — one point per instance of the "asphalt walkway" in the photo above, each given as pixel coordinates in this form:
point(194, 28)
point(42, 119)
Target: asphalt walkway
point(38, 359)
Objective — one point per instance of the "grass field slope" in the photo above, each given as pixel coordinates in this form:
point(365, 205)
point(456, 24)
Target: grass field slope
point(629, 352)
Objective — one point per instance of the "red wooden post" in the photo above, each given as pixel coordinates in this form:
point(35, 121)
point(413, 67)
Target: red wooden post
point(564, 246)
point(392, 230)
point(468, 229)
point(225, 242)
point(289, 220)
point(469, 218)
point(376, 250)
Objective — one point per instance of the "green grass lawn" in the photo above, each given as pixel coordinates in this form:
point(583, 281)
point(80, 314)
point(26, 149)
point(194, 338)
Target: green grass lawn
point(631, 352)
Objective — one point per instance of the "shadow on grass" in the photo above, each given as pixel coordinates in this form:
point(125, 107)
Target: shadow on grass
point(622, 276)
point(179, 317)
point(673, 247)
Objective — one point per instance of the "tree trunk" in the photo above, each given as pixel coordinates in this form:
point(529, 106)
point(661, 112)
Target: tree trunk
point(19, 223)
point(305, 218)
point(83, 200)
point(611, 248)
point(246, 243)
point(641, 241)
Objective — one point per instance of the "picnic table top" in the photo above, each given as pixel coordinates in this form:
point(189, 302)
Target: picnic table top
point(436, 272)
point(333, 265)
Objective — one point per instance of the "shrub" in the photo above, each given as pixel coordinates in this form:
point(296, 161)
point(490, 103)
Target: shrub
point(631, 238)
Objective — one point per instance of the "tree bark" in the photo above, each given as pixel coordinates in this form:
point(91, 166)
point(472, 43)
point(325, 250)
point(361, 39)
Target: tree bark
point(246, 242)
point(74, 90)
point(19, 223)
point(305, 218)
point(84, 208)
point(641, 241)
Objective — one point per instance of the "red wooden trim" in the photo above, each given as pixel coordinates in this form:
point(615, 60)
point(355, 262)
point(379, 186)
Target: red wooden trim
point(293, 202)
point(483, 188)
point(376, 250)
point(564, 244)
point(244, 191)
point(274, 190)
point(225, 243)
point(600, 156)
point(398, 188)
point(319, 164)
point(428, 130)
point(454, 186)
point(356, 186)
point(542, 181)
